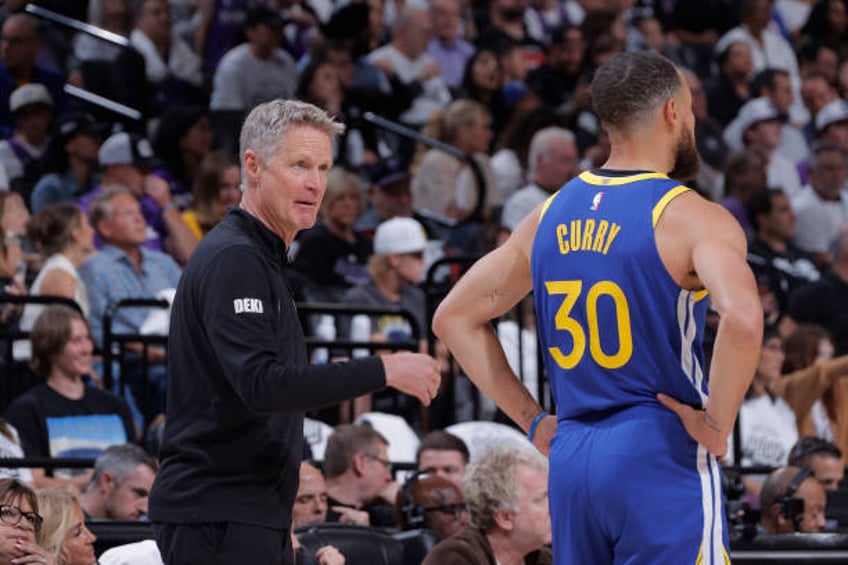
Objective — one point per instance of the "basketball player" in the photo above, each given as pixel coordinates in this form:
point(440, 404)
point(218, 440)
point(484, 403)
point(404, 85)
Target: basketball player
point(622, 262)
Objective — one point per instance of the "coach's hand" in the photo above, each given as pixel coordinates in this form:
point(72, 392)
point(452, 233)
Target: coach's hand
point(415, 374)
point(698, 424)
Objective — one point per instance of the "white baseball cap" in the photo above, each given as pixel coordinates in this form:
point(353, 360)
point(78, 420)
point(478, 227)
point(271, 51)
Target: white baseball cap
point(399, 235)
point(123, 148)
point(29, 94)
point(833, 112)
point(753, 112)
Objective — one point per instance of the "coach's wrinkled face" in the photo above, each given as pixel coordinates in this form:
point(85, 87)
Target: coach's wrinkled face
point(288, 188)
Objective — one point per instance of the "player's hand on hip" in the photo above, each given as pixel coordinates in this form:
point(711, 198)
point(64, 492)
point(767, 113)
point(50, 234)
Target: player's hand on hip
point(697, 425)
point(416, 374)
point(544, 433)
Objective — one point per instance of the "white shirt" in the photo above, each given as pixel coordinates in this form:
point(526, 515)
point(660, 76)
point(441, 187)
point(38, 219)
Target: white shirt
point(767, 432)
point(783, 174)
point(508, 171)
point(817, 221)
point(522, 203)
point(22, 349)
point(435, 95)
point(242, 81)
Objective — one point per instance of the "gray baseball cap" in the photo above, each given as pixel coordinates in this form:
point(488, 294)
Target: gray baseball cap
point(124, 148)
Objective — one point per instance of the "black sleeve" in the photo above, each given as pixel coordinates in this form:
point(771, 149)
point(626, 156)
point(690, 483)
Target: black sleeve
point(23, 415)
point(266, 375)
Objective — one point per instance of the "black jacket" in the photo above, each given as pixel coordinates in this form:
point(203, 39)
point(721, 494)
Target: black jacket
point(238, 383)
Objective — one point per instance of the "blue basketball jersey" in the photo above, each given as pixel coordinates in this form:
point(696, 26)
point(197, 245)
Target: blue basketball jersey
point(615, 328)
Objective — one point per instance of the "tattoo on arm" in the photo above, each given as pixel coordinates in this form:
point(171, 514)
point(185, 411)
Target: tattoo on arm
point(493, 295)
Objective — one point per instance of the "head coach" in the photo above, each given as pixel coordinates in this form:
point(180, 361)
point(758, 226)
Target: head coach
point(238, 375)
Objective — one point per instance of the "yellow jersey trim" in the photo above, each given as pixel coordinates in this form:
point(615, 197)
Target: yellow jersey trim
point(546, 205)
point(591, 178)
point(701, 294)
point(664, 201)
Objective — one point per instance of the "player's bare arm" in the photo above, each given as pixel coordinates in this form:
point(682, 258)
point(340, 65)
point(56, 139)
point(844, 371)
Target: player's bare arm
point(694, 235)
point(493, 286)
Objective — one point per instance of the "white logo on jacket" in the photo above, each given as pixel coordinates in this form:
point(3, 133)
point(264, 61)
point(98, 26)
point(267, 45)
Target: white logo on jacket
point(248, 305)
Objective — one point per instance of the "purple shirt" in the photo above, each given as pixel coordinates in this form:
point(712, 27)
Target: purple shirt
point(156, 229)
point(738, 210)
point(451, 57)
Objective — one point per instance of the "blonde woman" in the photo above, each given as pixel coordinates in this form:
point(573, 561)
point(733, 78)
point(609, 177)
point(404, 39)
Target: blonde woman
point(216, 188)
point(63, 532)
point(443, 184)
point(64, 237)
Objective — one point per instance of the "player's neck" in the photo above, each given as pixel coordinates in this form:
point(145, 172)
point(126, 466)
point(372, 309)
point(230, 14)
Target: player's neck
point(639, 152)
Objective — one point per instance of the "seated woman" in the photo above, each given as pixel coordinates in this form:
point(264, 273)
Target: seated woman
point(63, 532)
point(216, 188)
point(443, 184)
point(766, 421)
point(813, 386)
point(64, 417)
point(20, 522)
point(64, 237)
point(182, 140)
point(332, 256)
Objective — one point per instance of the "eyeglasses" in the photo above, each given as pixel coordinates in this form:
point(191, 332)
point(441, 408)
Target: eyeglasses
point(11, 515)
point(454, 509)
point(385, 462)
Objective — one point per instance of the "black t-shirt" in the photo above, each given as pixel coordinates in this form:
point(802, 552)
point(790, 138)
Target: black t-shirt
point(239, 382)
point(52, 425)
point(332, 261)
point(824, 303)
point(784, 273)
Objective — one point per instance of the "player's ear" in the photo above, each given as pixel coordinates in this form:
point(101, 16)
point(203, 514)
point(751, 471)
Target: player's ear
point(671, 113)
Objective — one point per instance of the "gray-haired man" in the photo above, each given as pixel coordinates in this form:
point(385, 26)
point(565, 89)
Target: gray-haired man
point(238, 375)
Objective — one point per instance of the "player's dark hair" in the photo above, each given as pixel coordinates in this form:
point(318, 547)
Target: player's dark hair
point(631, 86)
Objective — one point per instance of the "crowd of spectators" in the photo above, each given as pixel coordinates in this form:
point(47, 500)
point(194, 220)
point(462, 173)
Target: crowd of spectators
point(97, 206)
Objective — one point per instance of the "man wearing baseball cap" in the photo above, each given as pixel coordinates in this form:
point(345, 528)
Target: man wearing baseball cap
point(127, 159)
point(18, 52)
point(758, 126)
point(23, 153)
point(395, 268)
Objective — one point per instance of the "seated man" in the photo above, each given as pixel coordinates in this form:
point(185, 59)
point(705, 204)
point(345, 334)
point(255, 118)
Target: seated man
point(120, 485)
point(310, 504)
point(507, 494)
point(792, 500)
point(444, 455)
point(432, 502)
point(359, 478)
point(127, 159)
point(23, 154)
point(124, 268)
point(820, 456)
point(310, 507)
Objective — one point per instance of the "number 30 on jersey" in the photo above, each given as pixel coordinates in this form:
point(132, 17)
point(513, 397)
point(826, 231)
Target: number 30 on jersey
point(571, 291)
